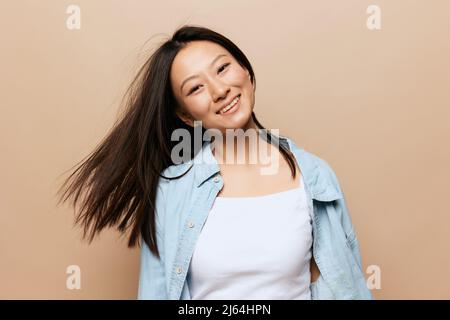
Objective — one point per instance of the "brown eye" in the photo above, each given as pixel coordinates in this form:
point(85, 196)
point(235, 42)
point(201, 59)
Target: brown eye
point(193, 89)
point(223, 67)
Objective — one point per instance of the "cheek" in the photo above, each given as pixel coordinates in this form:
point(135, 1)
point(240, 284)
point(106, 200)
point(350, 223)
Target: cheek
point(199, 106)
point(237, 76)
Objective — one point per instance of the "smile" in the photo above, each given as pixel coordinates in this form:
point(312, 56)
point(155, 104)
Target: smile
point(231, 107)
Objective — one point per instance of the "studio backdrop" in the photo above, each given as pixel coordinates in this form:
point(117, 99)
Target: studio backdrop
point(362, 84)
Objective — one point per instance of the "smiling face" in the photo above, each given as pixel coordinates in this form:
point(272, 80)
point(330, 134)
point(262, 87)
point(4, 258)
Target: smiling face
point(206, 81)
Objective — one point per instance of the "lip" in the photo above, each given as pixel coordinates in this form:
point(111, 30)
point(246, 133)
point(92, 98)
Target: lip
point(233, 108)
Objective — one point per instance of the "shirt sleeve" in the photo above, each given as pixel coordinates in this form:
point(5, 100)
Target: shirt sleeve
point(152, 278)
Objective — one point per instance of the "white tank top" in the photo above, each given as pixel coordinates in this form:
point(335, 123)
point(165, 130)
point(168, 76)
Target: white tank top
point(254, 248)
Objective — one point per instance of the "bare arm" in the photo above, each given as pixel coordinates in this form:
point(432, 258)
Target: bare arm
point(315, 273)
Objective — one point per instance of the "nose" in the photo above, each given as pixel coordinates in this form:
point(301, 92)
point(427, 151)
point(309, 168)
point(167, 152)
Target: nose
point(219, 90)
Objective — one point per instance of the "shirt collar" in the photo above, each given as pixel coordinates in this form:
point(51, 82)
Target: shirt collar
point(317, 175)
point(207, 165)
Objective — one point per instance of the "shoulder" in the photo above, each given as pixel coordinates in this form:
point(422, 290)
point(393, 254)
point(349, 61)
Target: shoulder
point(309, 158)
point(177, 183)
point(318, 171)
point(176, 174)
point(176, 170)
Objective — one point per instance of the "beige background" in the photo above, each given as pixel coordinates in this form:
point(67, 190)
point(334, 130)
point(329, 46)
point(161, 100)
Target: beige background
point(374, 104)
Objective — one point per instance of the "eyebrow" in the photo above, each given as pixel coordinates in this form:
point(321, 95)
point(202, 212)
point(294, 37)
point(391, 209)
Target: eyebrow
point(195, 76)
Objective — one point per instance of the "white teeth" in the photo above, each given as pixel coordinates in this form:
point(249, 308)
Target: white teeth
point(228, 107)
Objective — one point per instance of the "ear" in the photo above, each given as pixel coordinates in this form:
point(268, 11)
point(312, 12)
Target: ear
point(185, 117)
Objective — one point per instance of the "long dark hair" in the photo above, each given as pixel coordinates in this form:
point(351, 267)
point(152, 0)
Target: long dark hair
point(120, 177)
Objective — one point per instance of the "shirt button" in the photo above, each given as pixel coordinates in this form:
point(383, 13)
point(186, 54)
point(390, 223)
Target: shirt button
point(191, 224)
point(179, 270)
point(216, 179)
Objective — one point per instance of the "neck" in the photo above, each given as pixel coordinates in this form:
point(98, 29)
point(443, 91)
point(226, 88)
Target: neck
point(239, 146)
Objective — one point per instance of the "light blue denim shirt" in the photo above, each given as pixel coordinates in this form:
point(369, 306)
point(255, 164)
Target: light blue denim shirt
point(182, 207)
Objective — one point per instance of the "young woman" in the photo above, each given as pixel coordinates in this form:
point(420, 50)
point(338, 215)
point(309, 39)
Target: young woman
point(211, 228)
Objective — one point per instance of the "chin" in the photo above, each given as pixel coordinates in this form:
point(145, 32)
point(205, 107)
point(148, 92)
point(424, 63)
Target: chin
point(240, 123)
